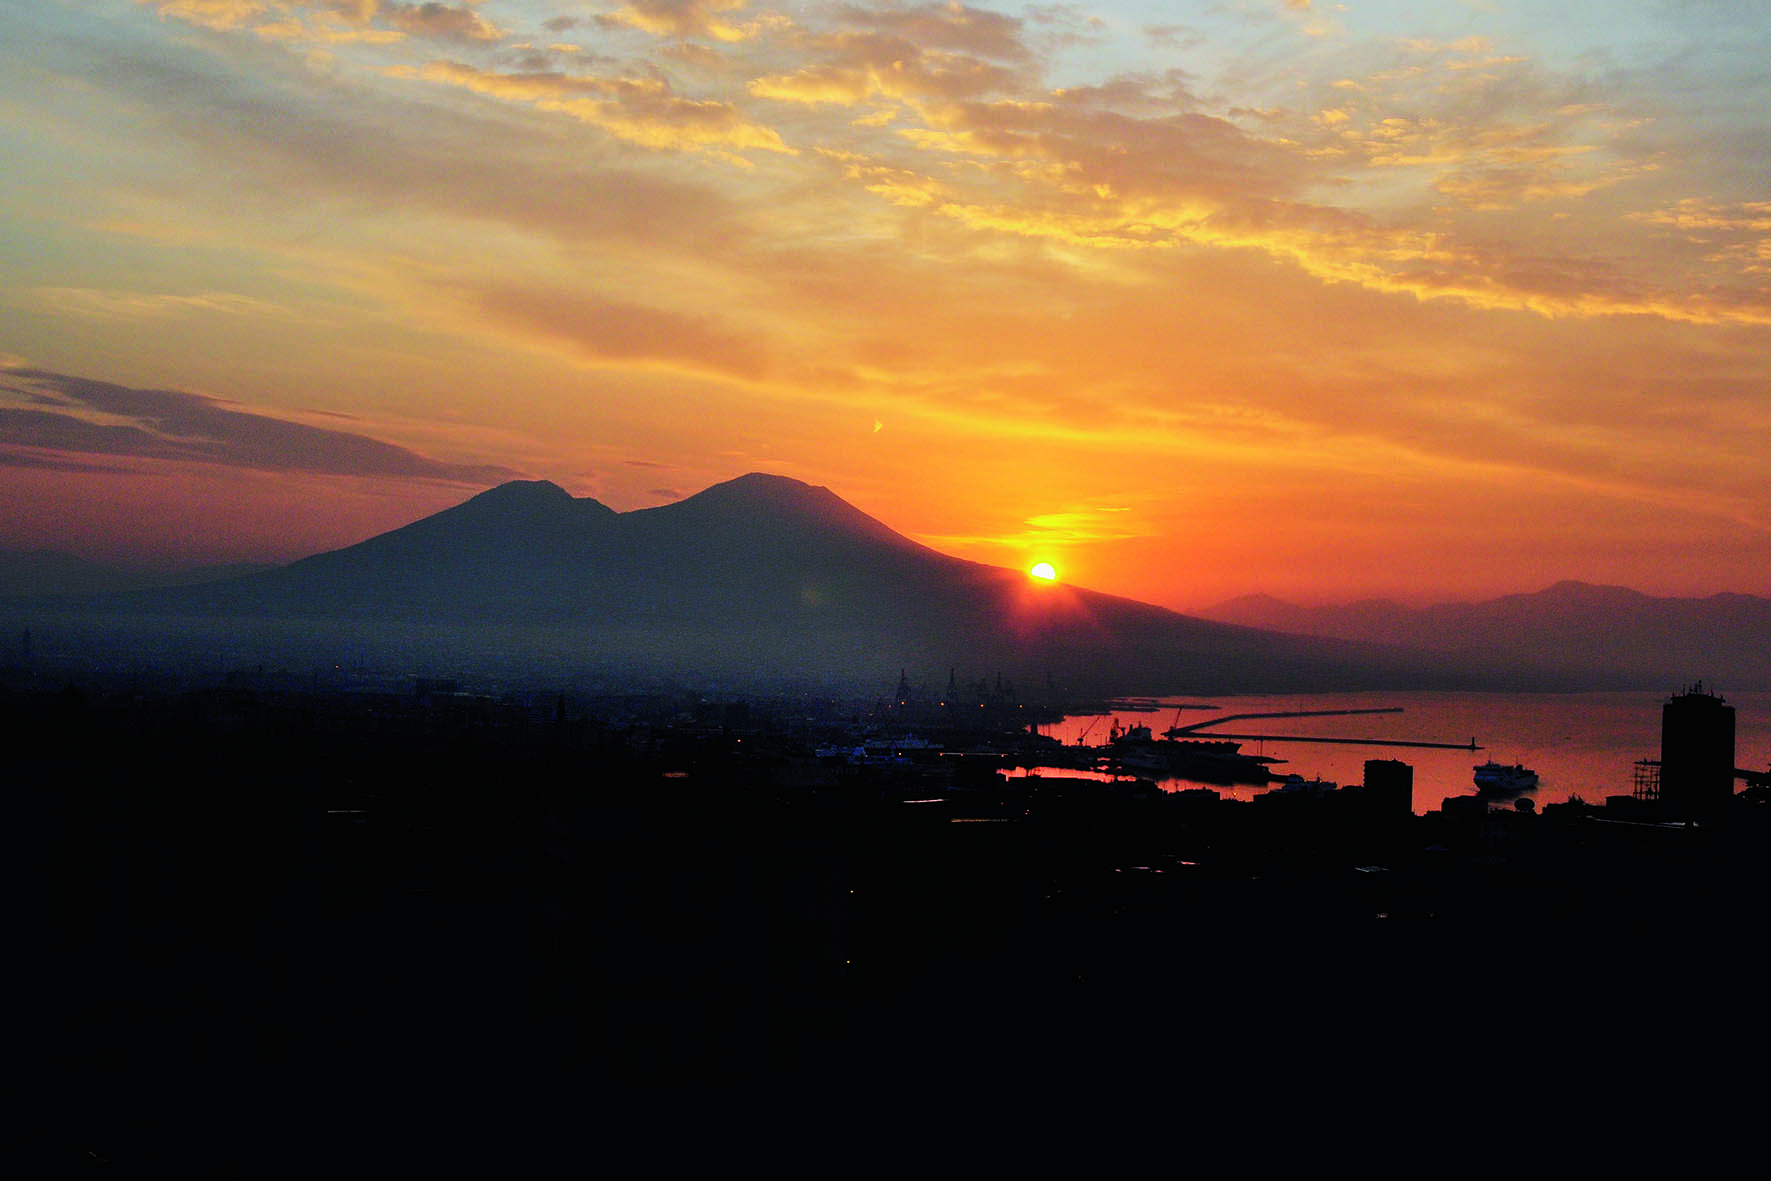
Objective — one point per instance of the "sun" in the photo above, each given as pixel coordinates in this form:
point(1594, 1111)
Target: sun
point(1044, 571)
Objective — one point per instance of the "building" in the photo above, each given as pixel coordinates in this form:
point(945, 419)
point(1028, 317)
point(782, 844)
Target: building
point(1389, 786)
point(1696, 752)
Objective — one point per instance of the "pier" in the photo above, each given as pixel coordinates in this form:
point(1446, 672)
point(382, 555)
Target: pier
point(1287, 713)
point(1470, 745)
point(1199, 728)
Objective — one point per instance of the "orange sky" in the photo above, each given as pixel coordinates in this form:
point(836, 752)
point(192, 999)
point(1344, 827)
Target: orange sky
point(1435, 300)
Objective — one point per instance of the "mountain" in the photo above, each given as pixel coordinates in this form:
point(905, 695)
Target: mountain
point(761, 576)
point(508, 553)
point(1645, 640)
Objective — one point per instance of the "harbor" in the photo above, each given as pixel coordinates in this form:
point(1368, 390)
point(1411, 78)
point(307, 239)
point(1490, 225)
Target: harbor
point(1580, 744)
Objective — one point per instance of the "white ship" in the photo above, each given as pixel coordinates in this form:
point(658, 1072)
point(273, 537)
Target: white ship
point(1498, 777)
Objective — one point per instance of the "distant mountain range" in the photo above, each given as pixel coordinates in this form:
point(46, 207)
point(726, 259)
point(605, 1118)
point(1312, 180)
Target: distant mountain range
point(1724, 639)
point(760, 577)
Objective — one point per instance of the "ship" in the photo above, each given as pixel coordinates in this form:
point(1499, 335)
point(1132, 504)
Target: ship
point(1207, 760)
point(1498, 777)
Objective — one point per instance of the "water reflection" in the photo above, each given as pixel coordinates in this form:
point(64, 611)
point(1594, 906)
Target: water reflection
point(1583, 744)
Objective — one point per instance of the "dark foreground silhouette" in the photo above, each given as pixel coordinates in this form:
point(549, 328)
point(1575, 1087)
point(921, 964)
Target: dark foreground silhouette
point(536, 924)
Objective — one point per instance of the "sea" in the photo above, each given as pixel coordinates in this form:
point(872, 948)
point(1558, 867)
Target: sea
point(1580, 744)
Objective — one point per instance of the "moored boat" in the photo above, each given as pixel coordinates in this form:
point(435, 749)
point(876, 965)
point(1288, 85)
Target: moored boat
point(1498, 777)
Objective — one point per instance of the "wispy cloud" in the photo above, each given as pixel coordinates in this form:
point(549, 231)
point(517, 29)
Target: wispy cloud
point(336, 21)
point(1057, 530)
point(640, 110)
point(619, 332)
point(717, 19)
point(45, 412)
point(137, 305)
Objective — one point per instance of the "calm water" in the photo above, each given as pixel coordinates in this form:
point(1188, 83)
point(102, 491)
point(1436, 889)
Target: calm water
point(1582, 744)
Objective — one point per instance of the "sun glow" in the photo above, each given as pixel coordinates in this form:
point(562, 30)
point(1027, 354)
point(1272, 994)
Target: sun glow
point(1044, 572)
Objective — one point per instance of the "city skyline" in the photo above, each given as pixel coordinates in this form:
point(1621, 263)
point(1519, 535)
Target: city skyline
point(1431, 301)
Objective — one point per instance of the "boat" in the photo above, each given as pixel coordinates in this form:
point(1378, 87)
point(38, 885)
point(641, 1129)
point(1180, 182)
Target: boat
point(1498, 777)
point(1206, 760)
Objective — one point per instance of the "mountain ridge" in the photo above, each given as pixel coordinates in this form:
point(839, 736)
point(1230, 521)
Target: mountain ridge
point(1719, 636)
point(768, 572)
point(762, 575)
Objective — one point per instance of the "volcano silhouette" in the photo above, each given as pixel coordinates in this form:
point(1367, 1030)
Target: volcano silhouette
point(765, 576)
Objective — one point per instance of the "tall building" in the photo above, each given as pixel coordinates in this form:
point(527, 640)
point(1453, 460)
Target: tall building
point(1696, 751)
point(1389, 785)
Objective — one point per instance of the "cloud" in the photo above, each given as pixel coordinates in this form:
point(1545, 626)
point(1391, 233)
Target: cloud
point(1501, 187)
point(63, 415)
point(682, 18)
point(854, 66)
point(898, 185)
point(922, 52)
point(639, 110)
point(1380, 182)
point(1077, 526)
point(100, 304)
point(1702, 215)
point(619, 332)
point(12, 457)
point(288, 137)
point(336, 20)
point(858, 66)
point(212, 14)
point(1733, 235)
point(951, 26)
point(282, 143)
point(1173, 36)
point(443, 21)
point(1128, 167)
